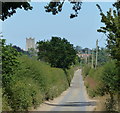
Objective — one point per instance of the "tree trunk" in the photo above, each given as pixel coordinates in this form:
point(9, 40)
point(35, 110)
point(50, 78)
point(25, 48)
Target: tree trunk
point(67, 77)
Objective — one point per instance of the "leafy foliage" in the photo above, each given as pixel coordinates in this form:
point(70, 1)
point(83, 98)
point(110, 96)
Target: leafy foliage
point(58, 52)
point(24, 93)
point(112, 30)
point(109, 78)
point(9, 8)
point(32, 83)
point(9, 58)
point(56, 7)
point(85, 70)
point(9, 65)
point(43, 47)
point(21, 50)
point(103, 56)
point(110, 85)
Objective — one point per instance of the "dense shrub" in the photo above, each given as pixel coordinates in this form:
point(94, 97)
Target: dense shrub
point(9, 58)
point(107, 78)
point(34, 82)
point(91, 73)
point(85, 70)
point(96, 73)
point(24, 93)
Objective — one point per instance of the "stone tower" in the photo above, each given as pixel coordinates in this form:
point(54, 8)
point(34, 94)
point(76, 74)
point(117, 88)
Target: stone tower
point(30, 43)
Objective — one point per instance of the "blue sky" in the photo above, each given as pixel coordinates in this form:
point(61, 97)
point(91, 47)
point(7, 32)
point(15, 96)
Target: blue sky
point(40, 25)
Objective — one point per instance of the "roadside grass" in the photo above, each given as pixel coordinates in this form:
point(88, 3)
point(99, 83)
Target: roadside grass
point(90, 80)
point(91, 85)
point(85, 70)
point(0, 98)
point(33, 83)
point(103, 103)
point(5, 105)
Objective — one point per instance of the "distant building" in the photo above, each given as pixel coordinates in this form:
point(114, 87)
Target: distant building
point(30, 43)
point(84, 55)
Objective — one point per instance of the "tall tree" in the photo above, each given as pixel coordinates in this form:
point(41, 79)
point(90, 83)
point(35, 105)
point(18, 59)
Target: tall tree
point(112, 31)
point(58, 52)
point(43, 50)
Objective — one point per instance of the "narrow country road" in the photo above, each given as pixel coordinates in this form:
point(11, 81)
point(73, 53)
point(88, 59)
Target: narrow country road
point(74, 99)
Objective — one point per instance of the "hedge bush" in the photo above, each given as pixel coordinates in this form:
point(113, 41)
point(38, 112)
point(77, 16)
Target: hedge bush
point(107, 79)
point(85, 70)
point(33, 83)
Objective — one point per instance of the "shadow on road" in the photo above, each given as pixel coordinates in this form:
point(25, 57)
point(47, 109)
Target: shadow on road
point(74, 104)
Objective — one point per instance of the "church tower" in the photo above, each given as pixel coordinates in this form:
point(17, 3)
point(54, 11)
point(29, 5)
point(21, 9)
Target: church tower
point(30, 43)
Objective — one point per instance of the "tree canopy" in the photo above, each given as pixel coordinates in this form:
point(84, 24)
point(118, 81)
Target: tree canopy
point(111, 75)
point(58, 52)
